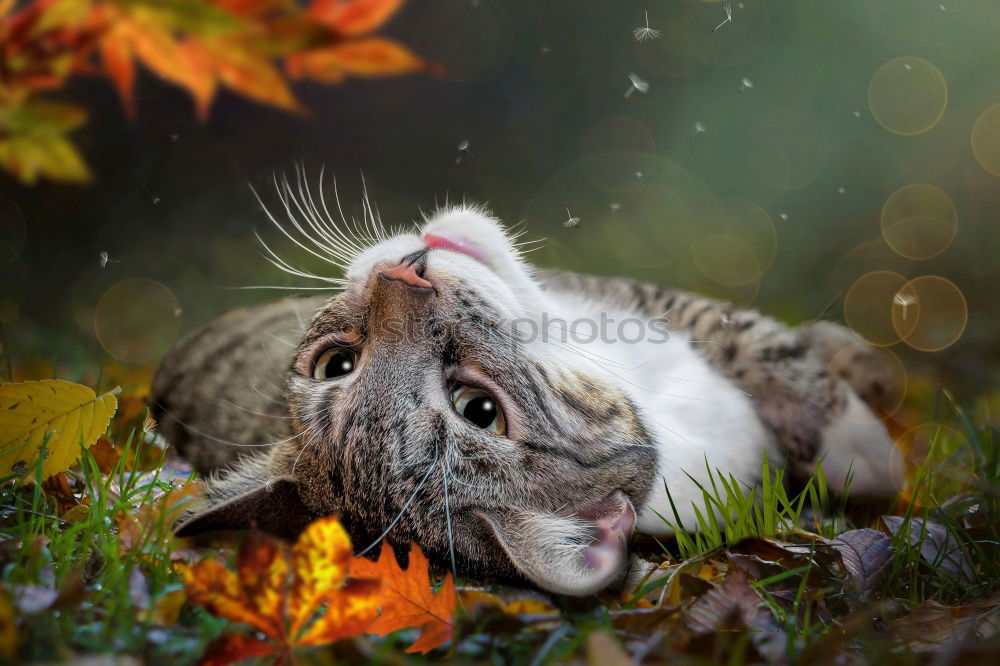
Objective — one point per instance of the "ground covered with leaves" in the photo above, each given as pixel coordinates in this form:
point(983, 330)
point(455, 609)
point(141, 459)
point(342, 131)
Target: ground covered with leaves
point(768, 575)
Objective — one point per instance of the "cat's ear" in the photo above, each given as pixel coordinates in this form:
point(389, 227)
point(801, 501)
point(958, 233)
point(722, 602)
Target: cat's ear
point(275, 507)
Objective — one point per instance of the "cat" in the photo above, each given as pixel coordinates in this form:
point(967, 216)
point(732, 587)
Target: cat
point(450, 395)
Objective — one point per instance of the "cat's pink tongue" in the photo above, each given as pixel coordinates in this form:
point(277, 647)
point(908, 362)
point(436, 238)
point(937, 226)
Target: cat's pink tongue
point(613, 519)
point(457, 244)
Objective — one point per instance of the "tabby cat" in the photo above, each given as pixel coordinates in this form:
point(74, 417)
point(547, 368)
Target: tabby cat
point(449, 394)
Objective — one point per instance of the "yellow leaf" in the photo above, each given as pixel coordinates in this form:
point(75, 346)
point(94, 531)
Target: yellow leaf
point(408, 600)
point(69, 415)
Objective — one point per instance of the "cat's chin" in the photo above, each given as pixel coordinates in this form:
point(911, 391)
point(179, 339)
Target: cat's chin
point(576, 552)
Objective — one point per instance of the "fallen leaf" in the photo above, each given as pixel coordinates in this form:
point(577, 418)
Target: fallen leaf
point(937, 547)
point(105, 454)
point(301, 597)
point(932, 627)
point(407, 599)
point(167, 608)
point(865, 553)
point(57, 487)
point(58, 414)
point(163, 510)
point(731, 604)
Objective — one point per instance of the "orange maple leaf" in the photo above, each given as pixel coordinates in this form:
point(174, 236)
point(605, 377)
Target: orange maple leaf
point(408, 600)
point(373, 56)
point(295, 597)
point(353, 17)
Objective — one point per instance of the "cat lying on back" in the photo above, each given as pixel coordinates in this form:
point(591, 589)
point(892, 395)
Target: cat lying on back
point(417, 404)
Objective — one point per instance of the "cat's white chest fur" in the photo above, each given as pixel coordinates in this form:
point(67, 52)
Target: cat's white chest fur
point(696, 416)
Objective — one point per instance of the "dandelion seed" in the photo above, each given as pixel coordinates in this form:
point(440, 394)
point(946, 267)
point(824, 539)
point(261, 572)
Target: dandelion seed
point(178, 312)
point(783, 216)
point(907, 66)
point(942, 8)
point(615, 206)
point(571, 222)
point(545, 50)
point(857, 114)
point(841, 190)
point(729, 16)
point(745, 84)
point(637, 83)
point(104, 259)
point(638, 175)
point(699, 128)
point(904, 301)
point(463, 150)
point(642, 33)
point(174, 137)
point(156, 200)
point(740, 5)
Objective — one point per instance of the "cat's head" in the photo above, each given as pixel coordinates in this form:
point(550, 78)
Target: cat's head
point(422, 415)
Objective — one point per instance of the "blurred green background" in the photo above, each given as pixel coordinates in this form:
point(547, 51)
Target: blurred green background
point(849, 158)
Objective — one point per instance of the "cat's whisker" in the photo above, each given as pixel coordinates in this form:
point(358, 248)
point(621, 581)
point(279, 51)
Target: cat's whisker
point(284, 288)
point(256, 413)
point(406, 505)
point(219, 440)
point(447, 515)
point(313, 219)
point(331, 225)
point(285, 195)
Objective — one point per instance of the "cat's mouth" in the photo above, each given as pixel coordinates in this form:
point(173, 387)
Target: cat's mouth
point(457, 244)
point(613, 519)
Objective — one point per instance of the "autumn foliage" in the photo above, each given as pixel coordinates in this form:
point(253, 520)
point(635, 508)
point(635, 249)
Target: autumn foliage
point(315, 593)
point(252, 47)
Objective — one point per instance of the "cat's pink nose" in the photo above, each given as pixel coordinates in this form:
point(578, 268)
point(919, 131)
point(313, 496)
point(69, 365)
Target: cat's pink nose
point(410, 272)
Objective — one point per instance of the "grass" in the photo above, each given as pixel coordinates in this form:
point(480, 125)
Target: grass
point(115, 599)
point(122, 592)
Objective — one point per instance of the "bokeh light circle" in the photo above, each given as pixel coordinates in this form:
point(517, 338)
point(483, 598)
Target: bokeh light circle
point(726, 259)
point(137, 320)
point(614, 134)
point(907, 95)
point(868, 307)
point(13, 232)
point(919, 221)
point(929, 313)
point(986, 139)
point(925, 444)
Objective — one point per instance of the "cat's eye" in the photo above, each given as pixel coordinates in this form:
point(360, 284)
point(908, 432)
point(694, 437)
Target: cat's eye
point(479, 408)
point(334, 362)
